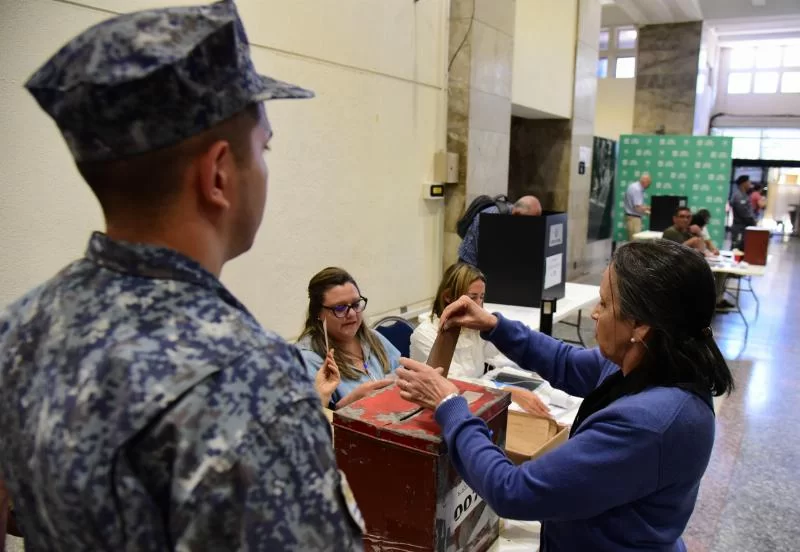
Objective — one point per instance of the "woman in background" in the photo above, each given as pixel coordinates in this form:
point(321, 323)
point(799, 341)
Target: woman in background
point(359, 356)
point(472, 355)
point(699, 228)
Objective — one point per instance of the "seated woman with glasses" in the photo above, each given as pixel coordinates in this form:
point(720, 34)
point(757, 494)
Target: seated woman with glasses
point(361, 357)
point(472, 354)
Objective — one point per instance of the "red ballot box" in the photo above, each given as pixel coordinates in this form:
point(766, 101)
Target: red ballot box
point(398, 467)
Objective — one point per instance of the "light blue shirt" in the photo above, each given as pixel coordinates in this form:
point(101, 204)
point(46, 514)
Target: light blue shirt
point(633, 198)
point(373, 366)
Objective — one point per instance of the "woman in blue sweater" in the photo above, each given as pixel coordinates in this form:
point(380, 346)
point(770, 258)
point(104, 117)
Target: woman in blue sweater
point(627, 479)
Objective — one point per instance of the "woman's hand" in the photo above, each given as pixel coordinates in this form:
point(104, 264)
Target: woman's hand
point(423, 385)
point(327, 379)
point(466, 313)
point(363, 390)
point(529, 402)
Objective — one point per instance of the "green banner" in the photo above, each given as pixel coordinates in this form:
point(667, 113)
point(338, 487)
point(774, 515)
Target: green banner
point(698, 167)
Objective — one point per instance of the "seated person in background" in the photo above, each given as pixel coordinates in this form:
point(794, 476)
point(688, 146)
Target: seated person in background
point(679, 231)
point(699, 227)
point(472, 353)
point(468, 250)
point(361, 357)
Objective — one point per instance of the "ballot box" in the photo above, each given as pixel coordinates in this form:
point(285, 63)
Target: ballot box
point(524, 258)
point(756, 245)
point(399, 470)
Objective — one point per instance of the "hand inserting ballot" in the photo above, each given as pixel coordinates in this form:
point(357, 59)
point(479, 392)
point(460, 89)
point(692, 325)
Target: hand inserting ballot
point(423, 385)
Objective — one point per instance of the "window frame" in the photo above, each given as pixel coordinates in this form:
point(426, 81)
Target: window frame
point(781, 68)
point(612, 53)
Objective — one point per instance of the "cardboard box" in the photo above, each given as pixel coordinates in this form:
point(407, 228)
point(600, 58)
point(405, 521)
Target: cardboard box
point(529, 436)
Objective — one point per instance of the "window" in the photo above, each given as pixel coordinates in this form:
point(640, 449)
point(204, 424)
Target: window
point(769, 58)
point(739, 83)
point(602, 68)
point(790, 82)
point(763, 143)
point(742, 58)
point(604, 35)
point(626, 39)
point(617, 57)
point(791, 56)
point(626, 68)
point(766, 82)
point(746, 148)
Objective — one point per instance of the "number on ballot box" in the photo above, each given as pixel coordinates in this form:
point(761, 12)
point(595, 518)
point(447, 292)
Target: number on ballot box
point(461, 501)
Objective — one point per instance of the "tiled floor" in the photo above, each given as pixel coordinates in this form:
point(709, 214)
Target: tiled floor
point(750, 497)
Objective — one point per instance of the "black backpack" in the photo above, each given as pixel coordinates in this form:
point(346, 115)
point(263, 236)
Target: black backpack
point(479, 204)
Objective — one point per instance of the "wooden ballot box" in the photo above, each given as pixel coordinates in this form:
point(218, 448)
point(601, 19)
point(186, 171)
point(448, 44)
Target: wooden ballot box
point(524, 258)
point(756, 244)
point(409, 493)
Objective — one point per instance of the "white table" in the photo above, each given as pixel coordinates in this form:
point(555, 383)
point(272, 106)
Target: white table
point(724, 264)
point(648, 235)
point(576, 298)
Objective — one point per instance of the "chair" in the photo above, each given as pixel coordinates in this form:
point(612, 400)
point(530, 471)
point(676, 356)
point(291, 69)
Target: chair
point(398, 331)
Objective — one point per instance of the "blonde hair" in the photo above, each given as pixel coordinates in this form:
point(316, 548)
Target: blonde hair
point(455, 283)
point(320, 283)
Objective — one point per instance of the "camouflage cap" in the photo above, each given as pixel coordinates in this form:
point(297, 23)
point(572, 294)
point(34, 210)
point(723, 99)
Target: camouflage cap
point(150, 79)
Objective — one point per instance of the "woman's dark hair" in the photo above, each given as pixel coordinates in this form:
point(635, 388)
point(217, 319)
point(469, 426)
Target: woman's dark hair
point(670, 288)
point(701, 218)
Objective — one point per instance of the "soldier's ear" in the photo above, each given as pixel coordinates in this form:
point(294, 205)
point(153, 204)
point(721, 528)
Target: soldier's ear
point(215, 169)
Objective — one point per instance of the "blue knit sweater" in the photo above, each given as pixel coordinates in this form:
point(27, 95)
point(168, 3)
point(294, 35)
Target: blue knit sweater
point(628, 478)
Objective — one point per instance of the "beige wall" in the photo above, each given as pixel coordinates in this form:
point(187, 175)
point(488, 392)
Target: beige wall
point(614, 115)
point(346, 168)
point(545, 35)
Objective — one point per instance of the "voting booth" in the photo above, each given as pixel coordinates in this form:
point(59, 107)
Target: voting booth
point(398, 467)
point(524, 258)
point(662, 209)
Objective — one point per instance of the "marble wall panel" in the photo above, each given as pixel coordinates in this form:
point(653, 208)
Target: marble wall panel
point(667, 65)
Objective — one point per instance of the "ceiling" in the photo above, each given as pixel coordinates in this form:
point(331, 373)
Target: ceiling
point(734, 21)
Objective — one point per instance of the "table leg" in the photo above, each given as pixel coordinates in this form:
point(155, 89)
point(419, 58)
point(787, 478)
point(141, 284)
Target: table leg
point(577, 327)
point(753, 292)
point(739, 309)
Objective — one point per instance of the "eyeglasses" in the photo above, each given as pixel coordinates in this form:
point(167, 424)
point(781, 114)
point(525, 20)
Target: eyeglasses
point(341, 311)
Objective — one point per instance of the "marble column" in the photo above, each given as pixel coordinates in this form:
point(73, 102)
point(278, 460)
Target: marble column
point(545, 153)
point(479, 105)
point(666, 77)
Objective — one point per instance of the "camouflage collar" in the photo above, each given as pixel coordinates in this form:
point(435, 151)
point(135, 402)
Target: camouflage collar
point(151, 261)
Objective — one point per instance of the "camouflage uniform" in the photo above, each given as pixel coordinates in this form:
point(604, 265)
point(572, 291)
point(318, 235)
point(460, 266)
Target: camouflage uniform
point(143, 407)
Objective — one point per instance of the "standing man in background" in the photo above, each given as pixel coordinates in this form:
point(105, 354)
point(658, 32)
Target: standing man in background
point(635, 208)
point(742, 211)
point(144, 408)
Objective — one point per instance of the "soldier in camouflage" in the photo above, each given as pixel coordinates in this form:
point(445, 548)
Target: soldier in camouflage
point(143, 407)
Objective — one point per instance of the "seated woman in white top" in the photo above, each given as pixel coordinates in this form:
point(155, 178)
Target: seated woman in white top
point(359, 359)
point(472, 353)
